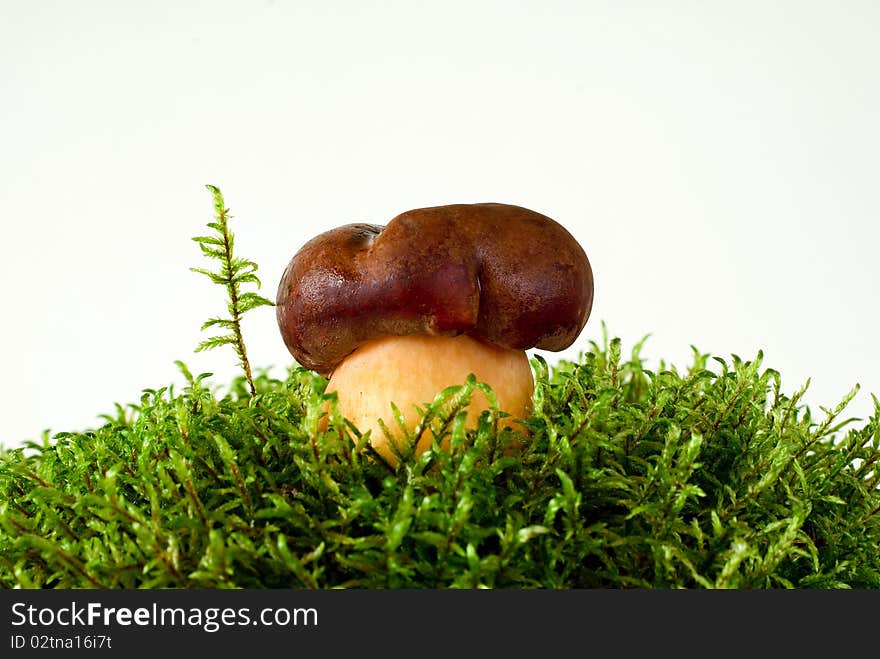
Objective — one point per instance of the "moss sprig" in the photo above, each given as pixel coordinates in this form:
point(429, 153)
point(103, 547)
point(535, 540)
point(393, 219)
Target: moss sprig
point(231, 274)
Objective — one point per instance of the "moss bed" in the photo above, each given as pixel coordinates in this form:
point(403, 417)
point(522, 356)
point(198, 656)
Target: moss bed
point(707, 477)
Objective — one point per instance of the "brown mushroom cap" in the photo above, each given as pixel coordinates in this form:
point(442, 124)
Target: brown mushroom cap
point(500, 273)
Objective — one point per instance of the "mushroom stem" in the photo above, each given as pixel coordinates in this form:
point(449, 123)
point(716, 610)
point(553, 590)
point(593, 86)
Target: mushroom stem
point(411, 370)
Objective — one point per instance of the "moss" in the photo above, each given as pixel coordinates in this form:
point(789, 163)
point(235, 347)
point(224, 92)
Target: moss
point(630, 478)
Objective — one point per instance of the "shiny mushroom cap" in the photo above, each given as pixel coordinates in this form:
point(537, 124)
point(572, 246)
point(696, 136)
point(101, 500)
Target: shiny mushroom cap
point(502, 274)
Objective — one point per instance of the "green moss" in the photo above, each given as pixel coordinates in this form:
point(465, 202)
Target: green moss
point(629, 479)
point(695, 478)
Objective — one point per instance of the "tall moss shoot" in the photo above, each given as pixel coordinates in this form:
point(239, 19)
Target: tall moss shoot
point(709, 476)
point(232, 272)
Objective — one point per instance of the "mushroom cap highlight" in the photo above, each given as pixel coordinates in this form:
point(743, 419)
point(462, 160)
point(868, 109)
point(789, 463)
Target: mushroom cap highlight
point(500, 273)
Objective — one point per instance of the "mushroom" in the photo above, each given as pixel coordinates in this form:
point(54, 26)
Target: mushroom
point(396, 313)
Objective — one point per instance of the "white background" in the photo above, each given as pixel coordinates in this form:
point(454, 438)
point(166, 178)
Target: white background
point(718, 161)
